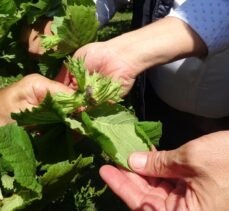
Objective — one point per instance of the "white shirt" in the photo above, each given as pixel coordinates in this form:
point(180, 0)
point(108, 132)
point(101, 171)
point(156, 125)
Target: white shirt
point(193, 85)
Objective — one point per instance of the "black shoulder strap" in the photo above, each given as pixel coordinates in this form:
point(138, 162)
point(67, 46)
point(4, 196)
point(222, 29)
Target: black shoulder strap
point(146, 11)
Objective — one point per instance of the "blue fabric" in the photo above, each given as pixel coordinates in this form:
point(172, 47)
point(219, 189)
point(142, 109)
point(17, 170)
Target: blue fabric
point(209, 18)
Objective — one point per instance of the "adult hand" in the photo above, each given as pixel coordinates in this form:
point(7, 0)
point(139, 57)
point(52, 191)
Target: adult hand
point(126, 56)
point(27, 93)
point(193, 177)
point(109, 59)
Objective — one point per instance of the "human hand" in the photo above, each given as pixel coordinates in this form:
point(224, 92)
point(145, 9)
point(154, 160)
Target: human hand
point(66, 78)
point(193, 177)
point(27, 93)
point(108, 59)
point(143, 193)
point(126, 56)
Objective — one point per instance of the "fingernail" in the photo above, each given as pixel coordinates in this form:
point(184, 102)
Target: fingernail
point(138, 160)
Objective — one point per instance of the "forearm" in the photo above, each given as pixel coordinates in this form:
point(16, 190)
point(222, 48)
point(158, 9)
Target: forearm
point(160, 42)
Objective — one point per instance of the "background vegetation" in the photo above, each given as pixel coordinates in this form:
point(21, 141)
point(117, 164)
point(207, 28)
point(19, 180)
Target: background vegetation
point(107, 201)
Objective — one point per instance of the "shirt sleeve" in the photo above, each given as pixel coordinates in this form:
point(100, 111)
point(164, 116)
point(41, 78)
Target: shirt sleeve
point(209, 18)
point(105, 9)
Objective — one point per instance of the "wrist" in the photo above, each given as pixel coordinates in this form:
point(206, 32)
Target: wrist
point(126, 46)
point(163, 41)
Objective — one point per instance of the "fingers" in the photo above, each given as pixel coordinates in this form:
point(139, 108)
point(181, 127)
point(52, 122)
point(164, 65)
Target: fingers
point(93, 55)
point(139, 180)
point(63, 76)
point(176, 199)
point(27, 93)
point(134, 190)
point(121, 185)
point(165, 164)
point(81, 52)
point(55, 87)
point(37, 87)
point(150, 185)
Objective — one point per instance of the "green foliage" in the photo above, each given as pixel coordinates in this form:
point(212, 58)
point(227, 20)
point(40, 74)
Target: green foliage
point(54, 109)
point(119, 24)
point(96, 88)
point(58, 176)
point(47, 113)
point(5, 81)
point(74, 24)
point(16, 150)
point(77, 27)
point(27, 184)
point(110, 125)
point(43, 165)
point(17, 153)
point(84, 198)
point(114, 130)
point(149, 131)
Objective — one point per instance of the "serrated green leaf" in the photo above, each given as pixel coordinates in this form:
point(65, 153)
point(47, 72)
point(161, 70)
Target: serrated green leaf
point(40, 8)
point(58, 170)
point(100, 89)
point(59, 175)
point(6, 21)
point(77, 28)
point(16, 149)
point(96, 87)
point(115, 133)
point(7, 7)
point(49, 66)
point(149, 131)
point(48, 112)
point(9, 15)
point(7, 182)
point(11, 203)
point(5, 81)
point(20, 200)
point(5, 167)
point(84, 198)
point(77, 69)
point(75, 125)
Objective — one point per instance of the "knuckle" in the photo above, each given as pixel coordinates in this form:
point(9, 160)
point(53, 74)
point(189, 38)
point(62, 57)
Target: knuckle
point(33, 77)
point(34, 80)
point(155, 163)
point(191, 154)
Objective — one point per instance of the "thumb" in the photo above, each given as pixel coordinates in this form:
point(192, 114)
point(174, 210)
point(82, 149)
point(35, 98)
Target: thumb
point(63, 76)
point(41, 85)
point(164, 164)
